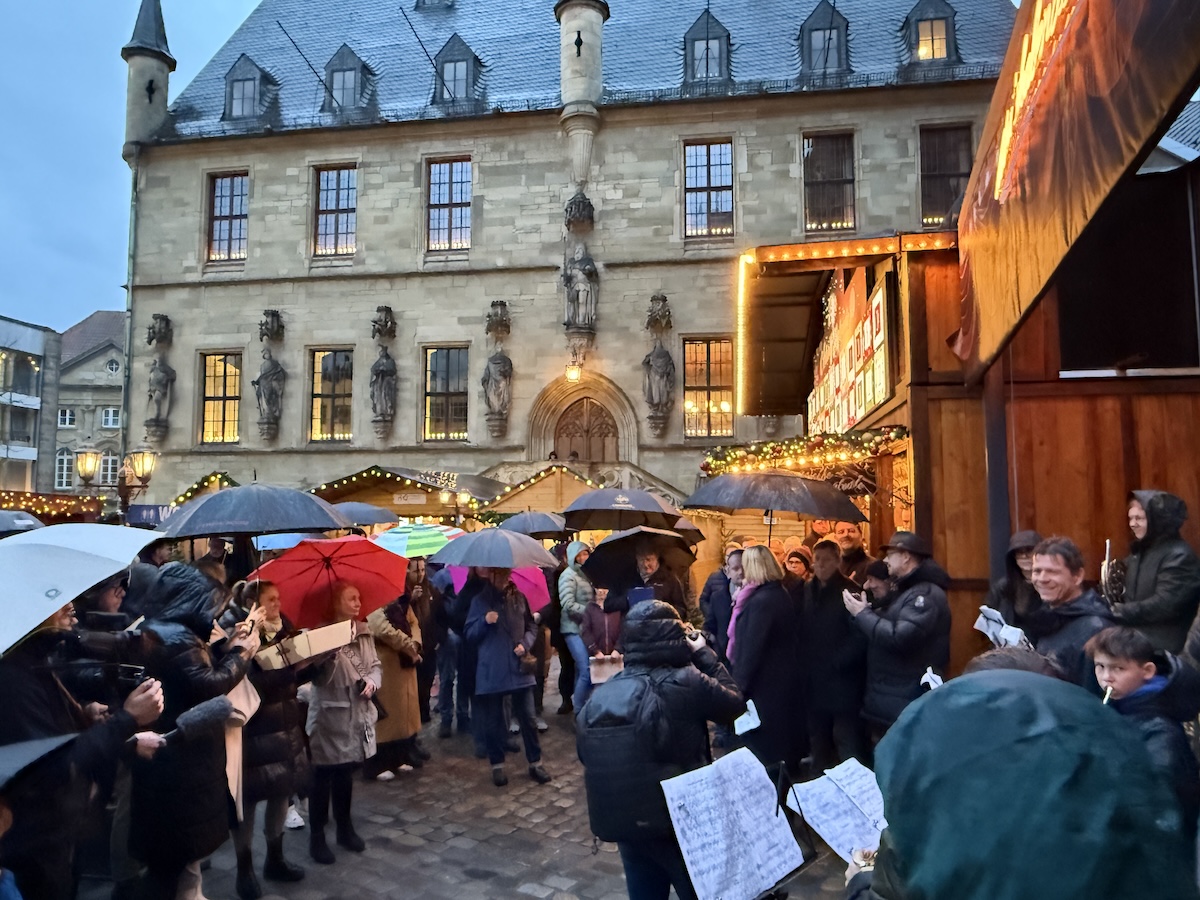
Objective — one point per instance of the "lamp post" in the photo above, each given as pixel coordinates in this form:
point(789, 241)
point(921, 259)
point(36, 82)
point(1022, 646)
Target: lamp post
point(132, 478)
point(462, 498)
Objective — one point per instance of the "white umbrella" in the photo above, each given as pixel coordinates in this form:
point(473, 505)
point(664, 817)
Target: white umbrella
point(46, 568)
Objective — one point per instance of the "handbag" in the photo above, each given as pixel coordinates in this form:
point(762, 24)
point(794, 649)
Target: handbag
point(527, 664)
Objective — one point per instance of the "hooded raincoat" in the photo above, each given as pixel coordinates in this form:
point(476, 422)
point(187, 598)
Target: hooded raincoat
point(1013, 595)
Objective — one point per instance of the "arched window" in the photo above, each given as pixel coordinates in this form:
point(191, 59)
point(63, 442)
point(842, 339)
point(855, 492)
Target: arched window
point(64, 470)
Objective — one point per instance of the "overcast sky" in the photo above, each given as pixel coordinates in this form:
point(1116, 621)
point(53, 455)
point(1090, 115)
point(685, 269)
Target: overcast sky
point(64, 209)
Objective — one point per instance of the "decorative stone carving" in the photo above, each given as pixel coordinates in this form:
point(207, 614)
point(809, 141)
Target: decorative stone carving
point(384, 323)
point(582, 283)
point(160, 385)
point(499, 321)
point(658, 368)
point(383, 392)
point(497, 392)
point(271, 327)
point(580, 215)
point(268, 389)
point(658, 316)
point(159, 332)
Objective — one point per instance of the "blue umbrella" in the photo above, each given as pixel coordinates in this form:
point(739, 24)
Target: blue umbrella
point(540, 525)
point(495, 549)
point(615, 509)
point(253, 509)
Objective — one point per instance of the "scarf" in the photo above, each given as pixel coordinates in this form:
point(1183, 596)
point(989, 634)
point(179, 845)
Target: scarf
point(739, 599)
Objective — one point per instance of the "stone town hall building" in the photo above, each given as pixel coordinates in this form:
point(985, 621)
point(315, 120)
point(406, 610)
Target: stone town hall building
point(438, 234)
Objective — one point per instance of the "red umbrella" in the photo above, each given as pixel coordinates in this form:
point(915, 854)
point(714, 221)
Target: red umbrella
point(306, 573)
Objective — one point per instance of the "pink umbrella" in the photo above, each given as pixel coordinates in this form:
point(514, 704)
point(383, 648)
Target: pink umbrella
point(530, 582)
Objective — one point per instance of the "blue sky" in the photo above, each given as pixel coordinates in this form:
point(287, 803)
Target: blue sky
point(64, 210)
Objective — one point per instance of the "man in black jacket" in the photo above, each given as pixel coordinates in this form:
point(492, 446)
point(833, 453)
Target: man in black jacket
point(625, 802)
point(909, 635)
point(855, 558)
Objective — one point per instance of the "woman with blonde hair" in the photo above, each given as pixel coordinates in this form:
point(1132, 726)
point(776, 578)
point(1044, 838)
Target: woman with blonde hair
point(764, 650)
point(341, 725)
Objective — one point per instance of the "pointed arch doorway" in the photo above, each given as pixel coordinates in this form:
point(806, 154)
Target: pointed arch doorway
point(587, 428)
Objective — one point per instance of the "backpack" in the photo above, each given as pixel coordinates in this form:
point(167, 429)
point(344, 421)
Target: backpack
point(624, 742)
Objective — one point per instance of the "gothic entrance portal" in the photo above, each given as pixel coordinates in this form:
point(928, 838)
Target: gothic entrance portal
point(587, 428)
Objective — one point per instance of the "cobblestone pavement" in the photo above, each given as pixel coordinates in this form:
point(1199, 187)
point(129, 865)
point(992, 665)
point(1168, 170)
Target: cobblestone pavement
point(444, 831)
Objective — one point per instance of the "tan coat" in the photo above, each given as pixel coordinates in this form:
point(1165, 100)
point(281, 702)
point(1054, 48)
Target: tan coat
point(399, 692)
point(341, 724)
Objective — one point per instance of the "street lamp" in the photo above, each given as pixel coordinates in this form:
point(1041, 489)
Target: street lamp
point(462, 498)
point(132, 478)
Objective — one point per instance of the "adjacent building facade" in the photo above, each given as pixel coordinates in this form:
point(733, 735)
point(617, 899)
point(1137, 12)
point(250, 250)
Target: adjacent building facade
point(526, 249)
point(29, 359)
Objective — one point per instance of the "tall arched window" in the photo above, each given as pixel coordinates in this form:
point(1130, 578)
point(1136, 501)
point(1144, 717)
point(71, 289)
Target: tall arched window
point(64, 470)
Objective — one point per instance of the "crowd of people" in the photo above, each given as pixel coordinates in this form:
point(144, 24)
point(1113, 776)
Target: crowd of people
point(826, 645)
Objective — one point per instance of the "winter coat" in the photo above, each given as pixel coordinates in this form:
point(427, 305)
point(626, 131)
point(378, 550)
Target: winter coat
point(601, 630)
point(341, 722)
point(854, 565)
point(905, 638)
point(498, 668)
point(1065, 629)
point(978, 768)
point(668, 589)
point(716, 600)
point(49, 799)
point(274, 759)
point(1013, 596)
point(768, 669)
point(398, 653)
point(1150, 710)
point(834, 650)
point(1162, 575)
point(575, 592)
point(181, 796)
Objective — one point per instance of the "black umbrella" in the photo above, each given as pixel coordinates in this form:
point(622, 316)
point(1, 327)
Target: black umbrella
point(253, 509)
point(613, 509)
point(689, 531)
point(540, 525)
point(14, 521)
point(16, 758)
point(614, 561)
point(770, 492)
point(366, 513)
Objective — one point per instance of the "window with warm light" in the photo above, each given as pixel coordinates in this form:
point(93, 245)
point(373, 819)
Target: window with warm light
point(708, 189)
point(344, 88)
point(228, 216)
point(332, 395)
point(110, 467)
point(708, 387)
point(931, 39)
point(449, 200)
point(828, 182)
point(243, 98)
point(110, 417)
point(945, 169)
point(337, 212)
point(64, 470)
point(221, 400)
point(446, 391)
point(66, 418)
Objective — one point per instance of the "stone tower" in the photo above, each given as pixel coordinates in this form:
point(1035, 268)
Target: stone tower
point(581, 77)
point(150, 67)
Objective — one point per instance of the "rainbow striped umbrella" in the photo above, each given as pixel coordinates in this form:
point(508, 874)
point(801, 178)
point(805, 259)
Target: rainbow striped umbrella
point(412, 541)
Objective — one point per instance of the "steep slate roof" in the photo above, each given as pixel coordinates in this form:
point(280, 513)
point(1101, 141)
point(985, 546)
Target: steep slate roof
point(1186, 129)
point(98, 329)
point(517, 44)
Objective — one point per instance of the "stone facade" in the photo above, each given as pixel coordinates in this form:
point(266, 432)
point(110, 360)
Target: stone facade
point(524, 170)
point(89, 399)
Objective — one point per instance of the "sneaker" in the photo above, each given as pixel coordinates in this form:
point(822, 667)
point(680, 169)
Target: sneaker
point(514, 727)
point(385, 776)
point(539, 774)
point(444, 730)
point(404, 767)
point(499, 779)
point(293, 820)
point(541, 724)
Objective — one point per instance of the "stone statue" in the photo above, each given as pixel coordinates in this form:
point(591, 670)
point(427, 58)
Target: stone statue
point(268, 388)
point(383, 387)
point(384, 323)
point(582, 283)
point(497, 384)
point(161, 381)
point(160, 330)
point(658, 386)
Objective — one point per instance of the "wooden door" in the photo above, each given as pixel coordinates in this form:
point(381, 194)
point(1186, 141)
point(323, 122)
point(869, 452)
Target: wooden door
point(587, 429)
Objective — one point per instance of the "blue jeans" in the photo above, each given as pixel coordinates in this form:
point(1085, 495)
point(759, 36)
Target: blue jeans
point(653, 867)
point(447, 668)
point(583, 673)
point(490, 708)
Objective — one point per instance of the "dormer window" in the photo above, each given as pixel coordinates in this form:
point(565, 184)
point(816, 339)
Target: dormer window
point(458, 70)
point(931, 39)
point(248, 89)
point(707, 47)
point(243, 98)
point(344, 87)
point(823, 41)
point(346, 79)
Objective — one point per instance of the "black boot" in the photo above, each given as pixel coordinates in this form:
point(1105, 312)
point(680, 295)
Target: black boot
point(247, 884)
point(276, 868)
point(319, 850)
point(318, 811)
point(343, 785)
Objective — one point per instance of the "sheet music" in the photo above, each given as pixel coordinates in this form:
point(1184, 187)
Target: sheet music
point(999, 632)
point(858, 783)
point(735, 844)
point(748, 720)
point(834, 816)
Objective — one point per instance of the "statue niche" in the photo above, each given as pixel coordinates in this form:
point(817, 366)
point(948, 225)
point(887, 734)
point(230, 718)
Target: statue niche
point(658, 368)
point(582, 283)
point(383, 392)
point(268, 389)
point(160, 385)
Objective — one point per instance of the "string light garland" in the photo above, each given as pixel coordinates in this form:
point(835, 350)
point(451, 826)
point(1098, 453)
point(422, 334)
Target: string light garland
point(51, 505)
point(373, 472)
point(530, 482)
point(217, 479)
point(800, 453)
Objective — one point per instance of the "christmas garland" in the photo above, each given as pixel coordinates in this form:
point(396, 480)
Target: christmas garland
point(799, 453)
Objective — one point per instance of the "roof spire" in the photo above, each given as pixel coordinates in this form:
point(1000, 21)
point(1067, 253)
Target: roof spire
point(149, 35)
